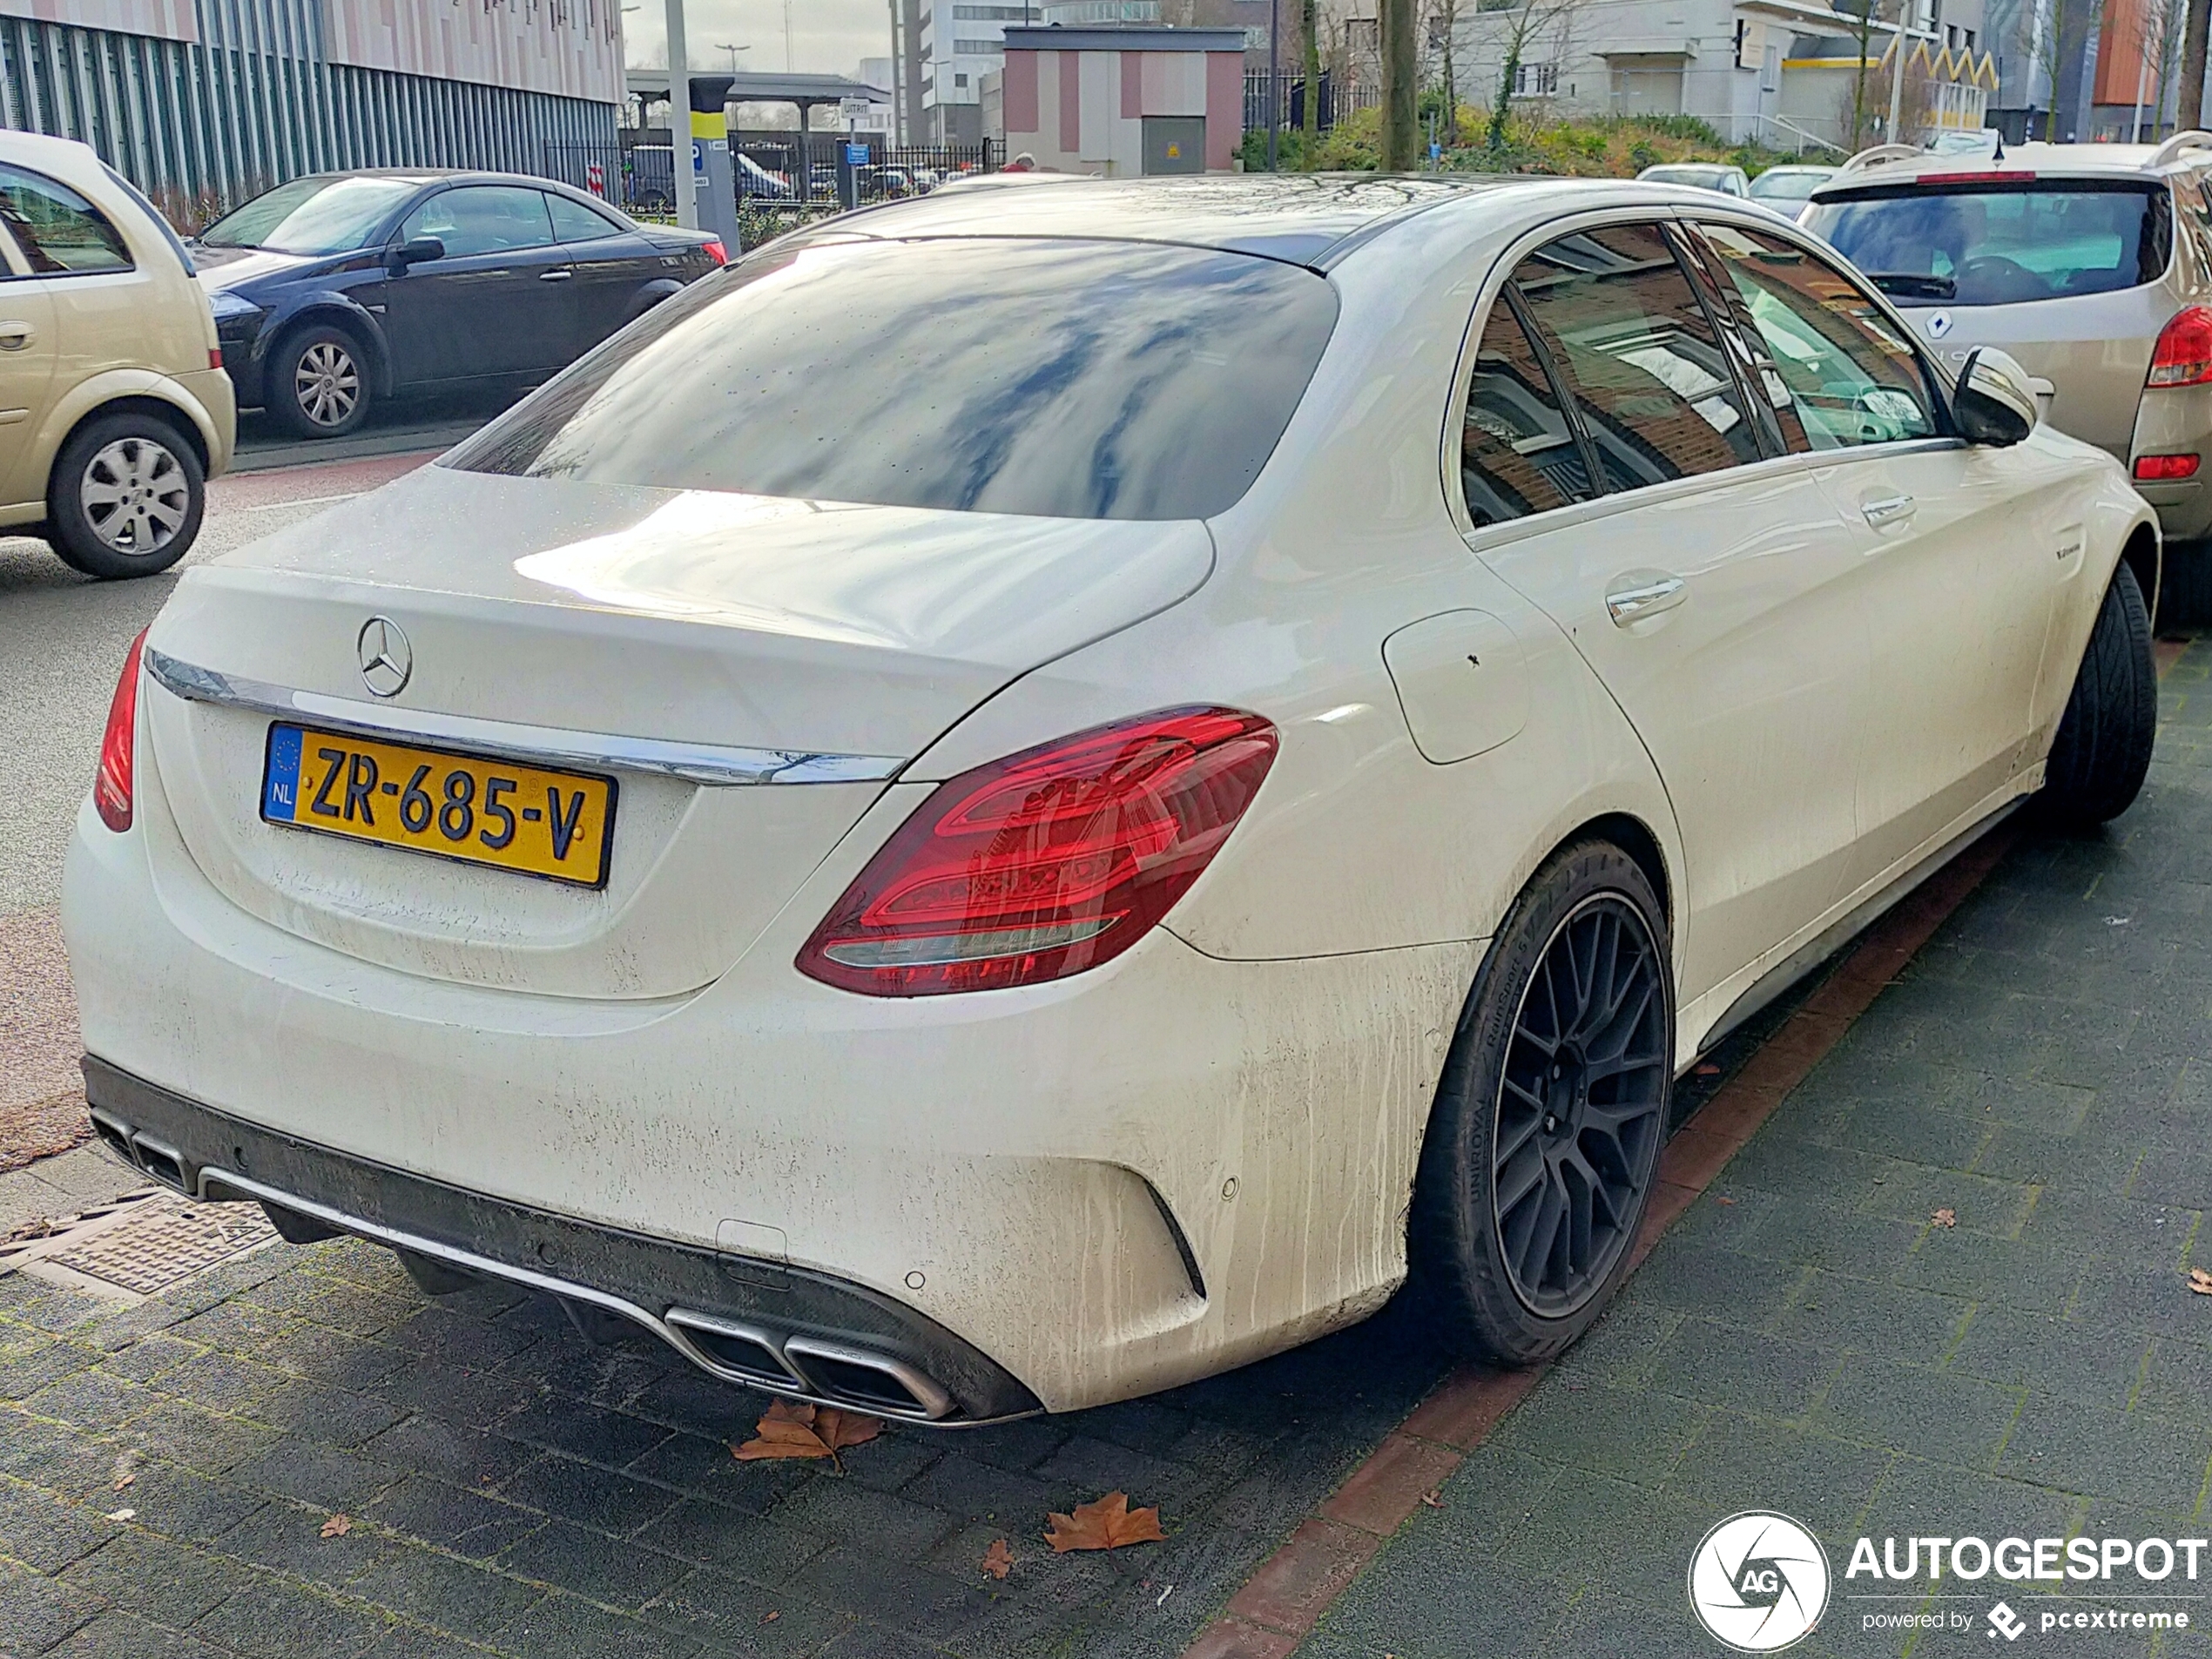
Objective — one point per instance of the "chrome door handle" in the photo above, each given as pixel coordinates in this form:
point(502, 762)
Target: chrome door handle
point(1888, 509)
point(14, 336)
point(555, 276)
point(1646, 594)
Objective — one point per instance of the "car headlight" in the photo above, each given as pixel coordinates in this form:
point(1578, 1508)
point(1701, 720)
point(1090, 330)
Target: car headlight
point(227, 305)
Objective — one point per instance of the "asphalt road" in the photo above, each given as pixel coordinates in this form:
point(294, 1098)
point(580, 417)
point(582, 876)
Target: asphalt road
point(62, 641)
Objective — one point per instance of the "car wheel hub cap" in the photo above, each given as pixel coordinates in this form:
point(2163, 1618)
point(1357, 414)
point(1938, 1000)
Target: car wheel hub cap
point(1580, 1106)
point(135, 496)
point(328, 383)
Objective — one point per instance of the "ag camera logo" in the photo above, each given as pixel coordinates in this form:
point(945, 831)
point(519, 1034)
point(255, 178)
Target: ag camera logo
point(1758, 1582)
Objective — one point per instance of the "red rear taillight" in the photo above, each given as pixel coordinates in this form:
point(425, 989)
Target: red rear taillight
point(716, 252)
point(2155, 468)
point(2183, 355)
point(111, 788)
point(1045, 863)
point(214, 357)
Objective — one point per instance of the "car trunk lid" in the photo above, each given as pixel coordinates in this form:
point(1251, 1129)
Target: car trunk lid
point(751, 638)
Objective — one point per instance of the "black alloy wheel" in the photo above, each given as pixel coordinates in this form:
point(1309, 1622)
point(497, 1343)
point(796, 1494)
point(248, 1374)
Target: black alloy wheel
point(1582, 1105)
point(1543, 1139)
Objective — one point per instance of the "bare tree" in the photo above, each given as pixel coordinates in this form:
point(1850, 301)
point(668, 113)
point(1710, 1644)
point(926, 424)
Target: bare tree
point(1863, 15)
point(1310, 26)
point(1528, 23)
point(1400, 78)
point(2193, 44)
point(1444, 23)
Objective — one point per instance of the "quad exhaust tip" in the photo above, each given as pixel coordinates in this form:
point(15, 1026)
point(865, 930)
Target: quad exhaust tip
point(810, 1368)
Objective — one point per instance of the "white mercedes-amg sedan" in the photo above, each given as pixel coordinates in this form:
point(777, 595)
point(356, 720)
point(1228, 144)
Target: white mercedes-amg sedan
point(1034, 794)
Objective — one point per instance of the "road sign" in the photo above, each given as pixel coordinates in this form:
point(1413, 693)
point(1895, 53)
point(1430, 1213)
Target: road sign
point(850, 109)
point(856, 155)
point(699, 157)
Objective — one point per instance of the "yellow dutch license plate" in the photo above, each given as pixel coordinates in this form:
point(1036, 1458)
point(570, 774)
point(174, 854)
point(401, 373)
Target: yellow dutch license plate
point(557, 824)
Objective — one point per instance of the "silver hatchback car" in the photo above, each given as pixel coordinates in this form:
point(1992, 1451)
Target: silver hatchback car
point(2089, 263)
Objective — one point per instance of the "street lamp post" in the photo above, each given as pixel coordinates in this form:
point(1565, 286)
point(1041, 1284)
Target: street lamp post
point(679, 120)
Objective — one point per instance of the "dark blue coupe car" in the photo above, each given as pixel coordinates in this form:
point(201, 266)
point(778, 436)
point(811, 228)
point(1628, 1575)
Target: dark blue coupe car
point(336, 290)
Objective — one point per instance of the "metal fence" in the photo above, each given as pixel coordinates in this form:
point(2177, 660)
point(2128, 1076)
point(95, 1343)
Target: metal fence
point(1338, 98)
point(781, 182)
point(803, 167)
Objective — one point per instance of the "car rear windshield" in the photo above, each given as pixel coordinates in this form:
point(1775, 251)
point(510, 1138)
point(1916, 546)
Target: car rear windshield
point(1066, 379)
point(2002, 243)
point(1786, 185)
point(312, 216)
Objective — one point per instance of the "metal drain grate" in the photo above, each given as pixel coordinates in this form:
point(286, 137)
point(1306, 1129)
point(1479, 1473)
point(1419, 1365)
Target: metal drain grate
point(143, 1244)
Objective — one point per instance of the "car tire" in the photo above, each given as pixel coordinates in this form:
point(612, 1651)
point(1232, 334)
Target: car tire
point(2102, 753)
point(319, 381)
point(125, 496)
point(1544, 1139)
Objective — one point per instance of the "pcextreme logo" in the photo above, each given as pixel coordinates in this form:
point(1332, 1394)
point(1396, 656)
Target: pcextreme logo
point(1758, 1582)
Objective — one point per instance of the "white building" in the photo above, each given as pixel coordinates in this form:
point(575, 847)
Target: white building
point(1724, 62)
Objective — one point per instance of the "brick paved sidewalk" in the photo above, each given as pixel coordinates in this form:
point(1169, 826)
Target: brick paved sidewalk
point(1807, 1340)
point(1816, 1345)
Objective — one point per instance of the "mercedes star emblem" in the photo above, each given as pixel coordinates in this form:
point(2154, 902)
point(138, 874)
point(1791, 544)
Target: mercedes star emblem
point(386, 659)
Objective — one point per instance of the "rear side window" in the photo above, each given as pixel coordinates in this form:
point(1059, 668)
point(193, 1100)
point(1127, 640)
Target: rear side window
point(1638, 353)
point(1066, 379)
point(1517, 454)
point(1999, 244)
point(574, 222)
point(58, 231)
point(482, 218)
point(1836, 370)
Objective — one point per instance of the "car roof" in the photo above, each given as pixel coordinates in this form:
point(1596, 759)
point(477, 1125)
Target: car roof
point(2041, 160)
point(1302, 217)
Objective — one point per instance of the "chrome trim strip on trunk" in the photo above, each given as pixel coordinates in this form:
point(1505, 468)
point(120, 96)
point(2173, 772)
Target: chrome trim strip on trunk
point(936, 1401)
point(715, 766)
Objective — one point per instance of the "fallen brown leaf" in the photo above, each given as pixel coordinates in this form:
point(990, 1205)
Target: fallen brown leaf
point(1945, 1217)
point(1107, 1523)
point(1721, 1200)
point(2201, 1281)
point(789, 1431)
point(998, 1560)
point(126, 1469)
point(337, 1526)
point(122, 1514)
point(1434, 1497)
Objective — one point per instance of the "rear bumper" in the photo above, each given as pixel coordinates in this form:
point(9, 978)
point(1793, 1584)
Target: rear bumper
point(784, 1329)
point(1109, 1185)
point(2176, 422)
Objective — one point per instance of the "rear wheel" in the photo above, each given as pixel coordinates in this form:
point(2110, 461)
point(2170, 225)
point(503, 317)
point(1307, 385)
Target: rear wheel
point(1545, 1133)
point(125, 496)
point(2102, 751)
point(319, 381)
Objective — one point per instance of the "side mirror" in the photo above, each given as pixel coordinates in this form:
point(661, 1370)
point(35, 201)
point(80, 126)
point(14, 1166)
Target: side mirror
point(1994, 403)
point(417, 252)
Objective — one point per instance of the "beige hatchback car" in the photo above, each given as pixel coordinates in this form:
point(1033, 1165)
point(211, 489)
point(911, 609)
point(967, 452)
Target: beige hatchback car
point(2091, 264)
point(114, 407)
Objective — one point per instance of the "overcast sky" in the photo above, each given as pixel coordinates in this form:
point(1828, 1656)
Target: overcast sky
point(827, 35)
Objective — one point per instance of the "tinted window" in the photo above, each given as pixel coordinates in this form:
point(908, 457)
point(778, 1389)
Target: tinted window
point(1995, 245)
point(1638, 353)
point(58, 230)
point(1517, 453)
point(312, 216)
point(1834, 367)
point(574, 222)
point(1078, 380)
point(482, 218)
